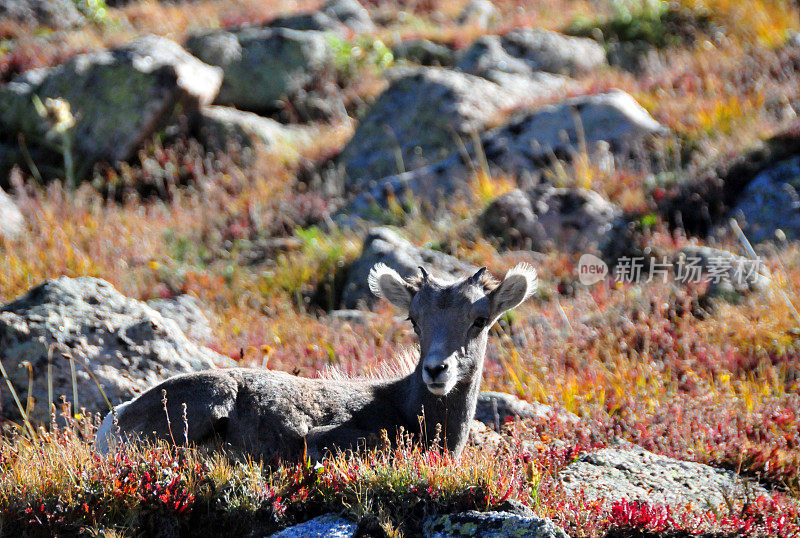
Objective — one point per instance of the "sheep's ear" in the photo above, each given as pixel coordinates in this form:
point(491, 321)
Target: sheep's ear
point(385, 282)
point(519, 284)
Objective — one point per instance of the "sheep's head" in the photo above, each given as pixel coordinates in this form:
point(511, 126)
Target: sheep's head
point(452, 317)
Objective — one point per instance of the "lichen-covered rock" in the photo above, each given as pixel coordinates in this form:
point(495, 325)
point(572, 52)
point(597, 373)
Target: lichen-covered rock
point(496, 408)
point(55, 14)
point(416, 120)
point(126, 345)
point(634, 474)
point(609, 124)
point(481, 13)
point(262, 65)
point(116, 98)
point(771, 202)
point(188, 313)
point(526, 51)
point(12, 223)
point(220, 127)
point(544, 219)
point(384, 245)
point(490, 525)
point(327, 526)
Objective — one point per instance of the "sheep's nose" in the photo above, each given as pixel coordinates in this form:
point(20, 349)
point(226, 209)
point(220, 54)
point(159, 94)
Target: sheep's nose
point(434, 371)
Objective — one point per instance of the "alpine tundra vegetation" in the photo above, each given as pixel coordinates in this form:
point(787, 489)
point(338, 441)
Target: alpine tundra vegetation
point(213, 320)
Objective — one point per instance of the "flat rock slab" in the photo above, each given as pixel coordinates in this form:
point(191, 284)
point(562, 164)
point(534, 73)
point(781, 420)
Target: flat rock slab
point(327, 526)
point(634, 474)
point(126, 345)
point(117, 97)
point(490, 525)
point(384, 245)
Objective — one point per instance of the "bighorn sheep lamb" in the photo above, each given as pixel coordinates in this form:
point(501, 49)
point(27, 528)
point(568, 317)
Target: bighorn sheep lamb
point(273, 414)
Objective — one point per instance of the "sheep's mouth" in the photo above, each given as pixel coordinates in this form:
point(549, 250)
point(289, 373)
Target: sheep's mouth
point(439, 389)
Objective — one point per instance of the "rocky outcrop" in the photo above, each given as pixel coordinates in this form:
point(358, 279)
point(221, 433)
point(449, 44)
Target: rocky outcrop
point(327, 526)
point(544, 219)
point(770, 203)
point(606, 124)
point(262, 65)
point(12, 223)
point(527, 51)
point(634, 474)
point(418, 120)
point(55, 14)
point(220, 127)
point(384, 245)
point(106, 102)
point(490, 525)
point(121, 342)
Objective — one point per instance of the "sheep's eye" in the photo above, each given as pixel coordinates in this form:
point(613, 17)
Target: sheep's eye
point(480, 323)
point(413, 323)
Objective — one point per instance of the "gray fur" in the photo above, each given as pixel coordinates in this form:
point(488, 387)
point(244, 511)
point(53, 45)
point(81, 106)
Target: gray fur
point(272, 414)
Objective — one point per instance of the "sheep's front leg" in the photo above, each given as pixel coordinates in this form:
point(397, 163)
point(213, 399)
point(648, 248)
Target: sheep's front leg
point(324, 440)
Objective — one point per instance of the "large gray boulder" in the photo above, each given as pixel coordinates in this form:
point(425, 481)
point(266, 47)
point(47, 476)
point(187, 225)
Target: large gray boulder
point(126, 345)
point(544, 219)
point(490, 525)
point(384, 245)
point(117, 98)
point(55, 14)
point(417, 121)
point(606, 124)
point(526, 51)
point(327, 526)
point(771, 202)
point(12, 223)
point(262, 65)
point(634, 474)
